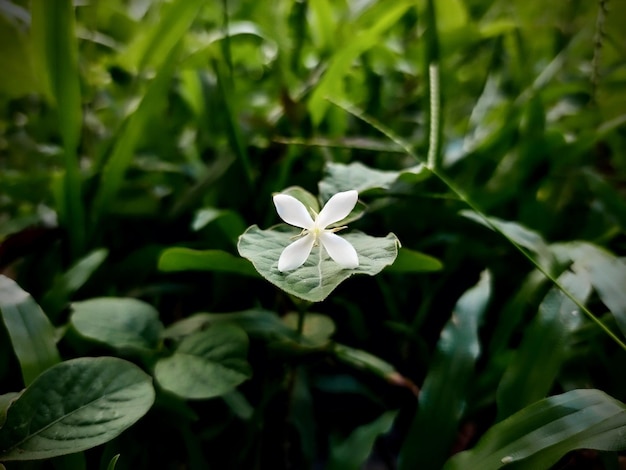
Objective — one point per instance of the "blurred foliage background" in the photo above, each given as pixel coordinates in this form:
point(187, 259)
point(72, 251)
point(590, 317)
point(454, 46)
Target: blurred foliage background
point(129, 127)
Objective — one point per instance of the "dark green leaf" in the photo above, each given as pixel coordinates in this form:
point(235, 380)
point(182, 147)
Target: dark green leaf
point(540, 434)
point(411, 261)
point(6, 401)
point(73, 406)
point(68, 283)
point(186, 259)
point(352, 453)
point(31, 333)
point(443, 396)
point(606, 272)
point(536, 363)
point(113, 462)
point(206, 364)
point(256, 322)
point(519, 234)
point(121, 323)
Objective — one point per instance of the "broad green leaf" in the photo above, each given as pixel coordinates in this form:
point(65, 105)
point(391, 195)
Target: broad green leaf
point(31, 333)
point(69, 282)
point(74, 406)
point(352, 453)
point(531, 372)
point(606, 271)
point(540, 434)
point(411, 261)
point(443, 395)
point(121, 323)
point(186, 259)
point(315, 279)
point(340, 177)
point(206, 364)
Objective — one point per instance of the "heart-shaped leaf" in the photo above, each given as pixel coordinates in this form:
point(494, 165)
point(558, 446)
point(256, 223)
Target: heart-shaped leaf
point(315, 279)
point(73, 406)
point(206, 364)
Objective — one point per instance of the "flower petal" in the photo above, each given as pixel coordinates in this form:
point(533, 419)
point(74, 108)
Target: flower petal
point(294, 255)
point(340, 250)
point(292, 211)
point(338, 207)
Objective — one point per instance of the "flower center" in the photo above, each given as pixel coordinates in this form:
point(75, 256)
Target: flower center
point(316, 232)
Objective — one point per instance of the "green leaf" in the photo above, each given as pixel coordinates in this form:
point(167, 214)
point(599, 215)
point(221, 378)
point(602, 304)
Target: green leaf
point(411, 261)
point(230, 222)
point(316, 278)
point(6, 401)
point(443, 396)
point(153, 44)
point(517, 233)
point(540, 434)
point(340, 177)
point(305, 197)
point(16, 55)
point(256, 322)
point(352, 453)
point(64, 286)
point(121, 323)
point(369, 27)
point(54, 36)
point(606, 271)
point(74, 406)
point(186, 259)
point(156, 48)
point(31, 333)
point(535, 365)
point(206, 364)
point(113, 462)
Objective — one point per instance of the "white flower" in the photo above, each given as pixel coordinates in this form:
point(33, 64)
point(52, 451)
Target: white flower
point(314, 232)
